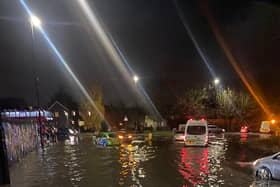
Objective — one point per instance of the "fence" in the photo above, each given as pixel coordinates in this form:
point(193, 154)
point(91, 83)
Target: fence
point(21, 137)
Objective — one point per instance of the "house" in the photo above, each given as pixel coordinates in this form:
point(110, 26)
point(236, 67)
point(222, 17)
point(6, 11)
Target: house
point(151, 122)
point(63, 116)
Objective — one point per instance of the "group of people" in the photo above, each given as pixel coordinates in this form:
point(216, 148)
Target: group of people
point(49, 133)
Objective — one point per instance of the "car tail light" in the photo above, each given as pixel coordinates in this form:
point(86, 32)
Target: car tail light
point(206, 139)
point(191, 119)
point(202, 119)
point(120, 137)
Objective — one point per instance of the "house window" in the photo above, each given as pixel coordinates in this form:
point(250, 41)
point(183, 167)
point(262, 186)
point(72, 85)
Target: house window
point(56, 114)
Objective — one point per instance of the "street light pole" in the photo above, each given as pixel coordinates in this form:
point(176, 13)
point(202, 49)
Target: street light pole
point(218, 89)
point(136, 79)
point(35, 22)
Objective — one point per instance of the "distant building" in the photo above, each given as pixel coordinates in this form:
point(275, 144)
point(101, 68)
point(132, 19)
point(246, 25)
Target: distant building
point(153, 123)
point(64, 117)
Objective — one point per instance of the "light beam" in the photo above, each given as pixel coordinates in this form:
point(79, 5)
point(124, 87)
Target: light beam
point(63, 62)
point(115, 54)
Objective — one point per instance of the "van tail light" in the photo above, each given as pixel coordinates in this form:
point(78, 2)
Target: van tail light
point(206, 139)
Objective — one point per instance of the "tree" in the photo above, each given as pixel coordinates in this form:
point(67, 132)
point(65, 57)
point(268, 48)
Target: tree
point(93, 114)
point(245, 106)
point(226, 105)
point(193, 102)
point(235, 105)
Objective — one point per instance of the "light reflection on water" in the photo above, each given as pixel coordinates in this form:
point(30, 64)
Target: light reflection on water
point(71, 161)
point(131, 160)
point(77, 162)
point(202, 165)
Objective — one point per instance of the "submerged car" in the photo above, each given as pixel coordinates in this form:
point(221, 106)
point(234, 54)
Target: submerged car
point(268, 168)
point(244, 129)
point(179, 136)
point(214, 129)
point(107, 139)
point(124, 137)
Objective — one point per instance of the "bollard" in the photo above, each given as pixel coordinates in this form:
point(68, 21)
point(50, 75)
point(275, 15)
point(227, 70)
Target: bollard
point(150, 136)
point(4, 166)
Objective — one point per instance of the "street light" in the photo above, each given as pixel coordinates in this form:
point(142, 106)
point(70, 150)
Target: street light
point(35, 21)
point(135, 79)
point(217, 81)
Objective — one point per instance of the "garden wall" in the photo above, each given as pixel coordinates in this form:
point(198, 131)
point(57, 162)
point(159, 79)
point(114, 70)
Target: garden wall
point(21, 137)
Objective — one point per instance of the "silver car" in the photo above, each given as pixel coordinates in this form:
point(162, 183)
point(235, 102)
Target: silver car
point(179, 136)
point(268, 168)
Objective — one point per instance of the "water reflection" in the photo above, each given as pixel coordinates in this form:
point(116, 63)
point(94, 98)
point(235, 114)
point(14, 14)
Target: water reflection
point(72, 161)
point(73, 140)
point(265, 184)
point(131, 160)
point(203, 166)
point(243, 137)
point(264, 136)
point(77, 162)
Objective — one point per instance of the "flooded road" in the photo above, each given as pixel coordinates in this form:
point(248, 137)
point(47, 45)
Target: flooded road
point(77, 162)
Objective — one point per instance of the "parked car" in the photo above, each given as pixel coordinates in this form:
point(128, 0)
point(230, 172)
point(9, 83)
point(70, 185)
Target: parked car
point(214, 129)
point(244, 129)
point(179, 135)
point(63, 133)
point(268, 168)
point(181, 127)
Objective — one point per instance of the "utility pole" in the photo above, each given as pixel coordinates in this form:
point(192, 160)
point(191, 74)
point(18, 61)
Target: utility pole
point(36, 22)
point(4, 166)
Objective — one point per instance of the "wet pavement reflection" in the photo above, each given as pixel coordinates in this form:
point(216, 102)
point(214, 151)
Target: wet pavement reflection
point(78, 162)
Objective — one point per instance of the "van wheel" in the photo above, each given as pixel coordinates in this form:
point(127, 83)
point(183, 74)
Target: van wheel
point(263, 173)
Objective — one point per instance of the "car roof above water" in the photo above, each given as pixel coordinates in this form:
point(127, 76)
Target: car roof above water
point(197, 123)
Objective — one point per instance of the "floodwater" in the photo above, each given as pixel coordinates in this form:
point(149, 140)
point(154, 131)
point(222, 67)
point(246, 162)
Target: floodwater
point(162, 162)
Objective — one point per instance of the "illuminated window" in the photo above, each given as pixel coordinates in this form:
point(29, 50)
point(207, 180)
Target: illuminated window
point(56, 114)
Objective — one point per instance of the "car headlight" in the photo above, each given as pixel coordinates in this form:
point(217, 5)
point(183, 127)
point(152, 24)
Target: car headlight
point(120, 137)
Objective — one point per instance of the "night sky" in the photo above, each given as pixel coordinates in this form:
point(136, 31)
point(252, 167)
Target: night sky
point(152, 37)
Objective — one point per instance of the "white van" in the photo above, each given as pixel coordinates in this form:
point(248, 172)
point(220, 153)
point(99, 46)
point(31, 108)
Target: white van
point(265, 127)
point(196, 133)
